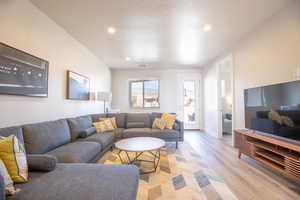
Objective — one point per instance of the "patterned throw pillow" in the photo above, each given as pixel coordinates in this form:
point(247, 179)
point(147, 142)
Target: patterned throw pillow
point(12, 153)
point(8, 183)
point(159, 123)
point(113, 121)
point(100, 126)
point(170, 118)
point(108, 124)
point(103, 126)
point(287, 121)
point(274, 115)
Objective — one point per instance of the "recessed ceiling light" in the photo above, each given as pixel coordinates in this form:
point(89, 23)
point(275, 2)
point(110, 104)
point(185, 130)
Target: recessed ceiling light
point(207, 27)
point(111, 30)
point(128, 59)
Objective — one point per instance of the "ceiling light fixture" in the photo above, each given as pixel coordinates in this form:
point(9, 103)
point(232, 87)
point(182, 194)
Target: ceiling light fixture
point(128, 59)
point(207, 27)
point(111, 30)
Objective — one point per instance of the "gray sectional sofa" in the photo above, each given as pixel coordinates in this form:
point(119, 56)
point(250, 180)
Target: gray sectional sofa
point(61, 153)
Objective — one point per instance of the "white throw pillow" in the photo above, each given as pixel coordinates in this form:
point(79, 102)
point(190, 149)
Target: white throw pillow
point(9, 184)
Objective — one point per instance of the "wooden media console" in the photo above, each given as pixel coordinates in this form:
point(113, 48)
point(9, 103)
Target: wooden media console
point(282, 155)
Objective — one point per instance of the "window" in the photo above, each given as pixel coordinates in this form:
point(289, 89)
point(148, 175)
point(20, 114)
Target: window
point(144, 94)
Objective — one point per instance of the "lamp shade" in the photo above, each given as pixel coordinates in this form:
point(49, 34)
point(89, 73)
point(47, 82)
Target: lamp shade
point(104, 96)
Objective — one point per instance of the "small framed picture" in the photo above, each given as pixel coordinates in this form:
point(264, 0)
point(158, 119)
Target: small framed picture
point(78, 86)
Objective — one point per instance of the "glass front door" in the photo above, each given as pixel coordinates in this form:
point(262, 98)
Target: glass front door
point(190, 104)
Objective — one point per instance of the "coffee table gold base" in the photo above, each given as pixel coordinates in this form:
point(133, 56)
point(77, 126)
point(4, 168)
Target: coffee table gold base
point(154, 154)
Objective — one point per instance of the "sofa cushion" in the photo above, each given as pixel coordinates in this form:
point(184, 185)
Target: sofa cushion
point(76, 152)
point(136, 125)
point(137, 132)
point(165, 134)
point(78, 125)
point(82, 181)
point(104, 139)
point(119, 132)
point(96, 117)
point(155, 115)
point(17, 131)
point(120, 119)
point(43, 137)
point(139, 117)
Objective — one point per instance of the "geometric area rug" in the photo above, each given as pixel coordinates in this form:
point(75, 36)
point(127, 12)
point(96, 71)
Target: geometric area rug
point(181, 175)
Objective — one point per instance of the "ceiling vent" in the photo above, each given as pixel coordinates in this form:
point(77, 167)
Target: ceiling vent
point(144, 66)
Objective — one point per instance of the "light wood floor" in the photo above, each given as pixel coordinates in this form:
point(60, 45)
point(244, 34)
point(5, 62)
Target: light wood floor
point(248, 179)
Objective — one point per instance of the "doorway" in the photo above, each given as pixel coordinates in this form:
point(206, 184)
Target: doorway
point(225, 99)
point(190, 109)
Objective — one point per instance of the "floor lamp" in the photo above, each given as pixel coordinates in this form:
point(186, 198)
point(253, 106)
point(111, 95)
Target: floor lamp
point(105, 97)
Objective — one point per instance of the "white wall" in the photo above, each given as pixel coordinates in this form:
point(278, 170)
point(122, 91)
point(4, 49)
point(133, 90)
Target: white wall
point(24, 27)
point(227, 99)
point(268, 55)
point(210, 97)
point(169, 87)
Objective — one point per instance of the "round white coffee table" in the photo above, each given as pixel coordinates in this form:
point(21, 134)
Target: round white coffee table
point(140, 145)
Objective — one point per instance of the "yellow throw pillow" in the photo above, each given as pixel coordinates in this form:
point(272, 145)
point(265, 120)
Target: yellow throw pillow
point(108, 124)
point(113, 121)
point(159, 123)
point(170, 118)
point(12, 153)
point(103, 126)
point(100, 126)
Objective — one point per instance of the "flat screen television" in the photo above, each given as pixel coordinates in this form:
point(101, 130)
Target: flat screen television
point(284, 98)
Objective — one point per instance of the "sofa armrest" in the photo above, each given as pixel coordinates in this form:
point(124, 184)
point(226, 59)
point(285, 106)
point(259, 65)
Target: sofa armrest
point(265, 125)
point(2, 188)
point(41, 162)
point(180, 127)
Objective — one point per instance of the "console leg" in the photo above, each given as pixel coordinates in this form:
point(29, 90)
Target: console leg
point(176, 144)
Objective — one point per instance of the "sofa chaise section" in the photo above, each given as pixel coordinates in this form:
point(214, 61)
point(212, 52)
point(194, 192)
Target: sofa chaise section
point(81, 181)
point(70, 180)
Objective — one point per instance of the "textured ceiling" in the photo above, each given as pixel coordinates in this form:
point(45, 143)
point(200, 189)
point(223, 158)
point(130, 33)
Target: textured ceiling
point(160, 33)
